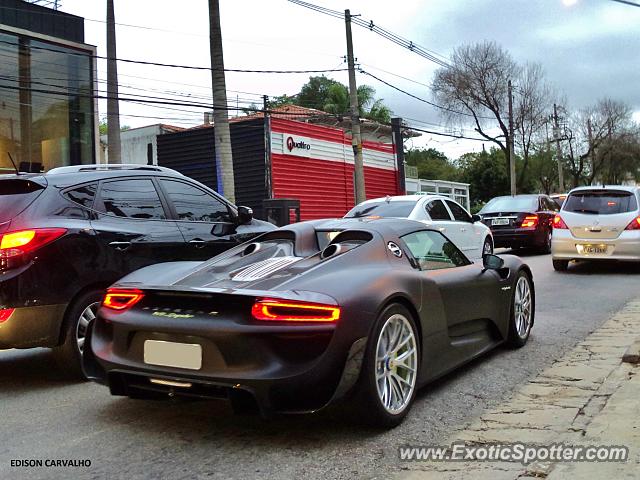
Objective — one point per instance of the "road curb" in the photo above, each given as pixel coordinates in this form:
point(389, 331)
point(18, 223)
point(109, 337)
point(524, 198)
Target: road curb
point(560, 405)
point(632, 355)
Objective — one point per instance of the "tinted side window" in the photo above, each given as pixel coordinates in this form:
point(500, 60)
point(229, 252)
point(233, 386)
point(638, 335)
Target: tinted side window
point(459, 213)
point(193, 204)
point(131, 199)
point(15, 196)
point(433, 251)
point(437, 210)
point(83, 195)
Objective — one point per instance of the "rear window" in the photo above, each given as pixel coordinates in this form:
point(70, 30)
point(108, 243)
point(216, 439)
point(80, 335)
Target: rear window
point(511, 204)
point(601, 202)
point(401, 209)
point(15, 196)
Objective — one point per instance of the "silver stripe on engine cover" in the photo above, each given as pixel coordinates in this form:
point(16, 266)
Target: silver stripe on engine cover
point(264, 268)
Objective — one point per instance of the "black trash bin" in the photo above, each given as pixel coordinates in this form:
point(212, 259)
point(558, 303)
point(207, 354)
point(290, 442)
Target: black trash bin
point(281, 211)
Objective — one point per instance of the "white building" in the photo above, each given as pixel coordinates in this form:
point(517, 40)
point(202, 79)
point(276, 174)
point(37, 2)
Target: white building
point(138, 145)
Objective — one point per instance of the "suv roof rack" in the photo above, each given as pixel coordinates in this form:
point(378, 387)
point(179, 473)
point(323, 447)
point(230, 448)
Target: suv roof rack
point(109, 167)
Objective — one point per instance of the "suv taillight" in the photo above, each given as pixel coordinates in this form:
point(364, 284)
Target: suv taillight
point(15, 245)
point(634, 224)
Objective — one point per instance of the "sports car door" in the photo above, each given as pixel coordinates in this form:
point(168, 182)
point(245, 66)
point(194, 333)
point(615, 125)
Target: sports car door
point(468, 296)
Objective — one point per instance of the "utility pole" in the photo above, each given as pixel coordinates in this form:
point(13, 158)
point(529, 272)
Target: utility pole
point(512, 157)
point(592, 154)
point(356, 137)
point(267, 147)
point(113, 108)
point(556, 134)
point(224, 158)
point(396, 130)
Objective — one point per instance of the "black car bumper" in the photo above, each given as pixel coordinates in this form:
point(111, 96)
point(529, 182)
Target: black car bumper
point(284, 368)
point(28, 327)
point(518, 238)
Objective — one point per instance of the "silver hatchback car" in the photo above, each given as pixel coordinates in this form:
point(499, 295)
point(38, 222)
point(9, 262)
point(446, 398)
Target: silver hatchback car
point(597, 223)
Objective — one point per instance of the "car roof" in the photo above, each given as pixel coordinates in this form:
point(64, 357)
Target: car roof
point(405, 198)
point(75, 174)
point(624, 188)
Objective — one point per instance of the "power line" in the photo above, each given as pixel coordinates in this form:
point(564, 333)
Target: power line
point(420, 99)
point(171, 65)
point(369, 25)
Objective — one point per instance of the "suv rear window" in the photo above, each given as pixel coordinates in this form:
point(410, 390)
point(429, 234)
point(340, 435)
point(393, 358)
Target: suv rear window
point(601, 202)
point(401, 209)
point(15, 196)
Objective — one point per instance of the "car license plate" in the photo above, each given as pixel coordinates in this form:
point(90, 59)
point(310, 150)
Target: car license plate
point(500, 221)
point(173, 354)
point(594, 249)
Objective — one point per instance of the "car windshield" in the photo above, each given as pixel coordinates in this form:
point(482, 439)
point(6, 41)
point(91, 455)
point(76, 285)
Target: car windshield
point(400, 209)
point(601, 202)
point(15, 196)
point(511, 204)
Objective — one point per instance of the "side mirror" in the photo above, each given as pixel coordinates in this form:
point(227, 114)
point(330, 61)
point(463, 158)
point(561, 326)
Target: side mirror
point(245, 215)
point(476, 218)
point(492, 262)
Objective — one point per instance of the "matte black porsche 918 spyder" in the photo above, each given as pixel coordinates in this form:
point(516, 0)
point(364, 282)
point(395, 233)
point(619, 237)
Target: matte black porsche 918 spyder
point(360, 308)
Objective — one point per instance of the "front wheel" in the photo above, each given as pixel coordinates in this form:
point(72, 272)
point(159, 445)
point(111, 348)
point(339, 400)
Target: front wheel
point(387, 384)
point(522, 311)
point(487, 247)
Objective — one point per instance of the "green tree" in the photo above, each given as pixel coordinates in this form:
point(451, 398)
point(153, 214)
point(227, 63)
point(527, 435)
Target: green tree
point(485, 173)
point(432, 164)
point(331, 96)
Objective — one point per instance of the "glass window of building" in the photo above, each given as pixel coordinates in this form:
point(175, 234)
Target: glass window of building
point(46, 104)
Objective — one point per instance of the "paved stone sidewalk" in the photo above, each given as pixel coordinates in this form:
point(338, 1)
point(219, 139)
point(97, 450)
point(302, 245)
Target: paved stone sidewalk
point(589, 397)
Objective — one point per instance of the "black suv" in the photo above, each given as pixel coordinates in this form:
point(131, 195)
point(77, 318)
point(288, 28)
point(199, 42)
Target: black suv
point(66, 235)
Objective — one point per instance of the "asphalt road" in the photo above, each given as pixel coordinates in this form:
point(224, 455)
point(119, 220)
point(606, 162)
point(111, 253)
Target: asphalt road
point(43, 416)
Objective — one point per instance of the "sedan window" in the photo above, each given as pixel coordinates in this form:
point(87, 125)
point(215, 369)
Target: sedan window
point(437, 210)
point(392, 208)
point(433, 251)
point(459, 213)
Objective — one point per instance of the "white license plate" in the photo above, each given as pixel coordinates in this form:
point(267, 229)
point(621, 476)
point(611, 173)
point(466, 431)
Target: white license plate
point(500, 221)
point(173, 354)
point(593, 249)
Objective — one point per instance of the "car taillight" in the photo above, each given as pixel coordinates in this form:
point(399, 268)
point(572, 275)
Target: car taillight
point(121, 299)
point(558, 223)
point(530, 221)
point(269, 309)
point(634, 224)
point(5, 314)
point(15, 244)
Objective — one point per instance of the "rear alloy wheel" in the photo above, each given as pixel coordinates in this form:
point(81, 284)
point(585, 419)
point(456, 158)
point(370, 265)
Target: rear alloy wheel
point(487, 247)
point(390, 369)
point(79, 315)
point(560, 265)
point(522, 311)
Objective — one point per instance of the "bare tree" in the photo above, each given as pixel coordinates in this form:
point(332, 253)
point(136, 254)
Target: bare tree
point(474, 88)
point(531, 112)
point(595, 133)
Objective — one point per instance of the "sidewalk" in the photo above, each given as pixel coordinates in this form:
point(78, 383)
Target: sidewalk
point(589, 397)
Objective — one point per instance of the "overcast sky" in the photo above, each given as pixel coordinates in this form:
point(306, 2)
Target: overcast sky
point(589, 50)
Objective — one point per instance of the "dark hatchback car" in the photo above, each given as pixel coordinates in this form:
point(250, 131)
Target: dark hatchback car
point(521, 221)
point(66, 235)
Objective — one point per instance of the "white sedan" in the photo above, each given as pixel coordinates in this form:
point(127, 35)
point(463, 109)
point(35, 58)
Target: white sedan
point(465, 231)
